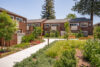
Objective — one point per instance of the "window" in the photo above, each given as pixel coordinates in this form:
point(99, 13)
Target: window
point(55, 24)
point(47, 25)
point(90, 24)
point(84, 24)
point(37, 24)
point(27, 27)
point(19, 31)
point(12, 17)
point(74, 24)
point(19, 19)
point(85, 33)
point(54, 28)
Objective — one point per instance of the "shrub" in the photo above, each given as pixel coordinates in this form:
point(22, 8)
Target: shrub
point(80, 34)
point(46, 35)
point(22, 45)
point(66, 36)
point(97, 32)
point(92, 52)
point(28, 38)
point(57, 34)
point(52, 34)
point(67, 59)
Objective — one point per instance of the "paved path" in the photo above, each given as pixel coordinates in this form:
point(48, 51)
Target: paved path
point(10, 60)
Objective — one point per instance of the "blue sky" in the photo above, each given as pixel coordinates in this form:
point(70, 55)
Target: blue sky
point(31, 9)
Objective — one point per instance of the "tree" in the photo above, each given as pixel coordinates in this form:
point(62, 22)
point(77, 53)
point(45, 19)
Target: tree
point(71, 16)
point(90, 7)
point(67, 29)
point(37, 31)
point(7, 27)
point(48, 10)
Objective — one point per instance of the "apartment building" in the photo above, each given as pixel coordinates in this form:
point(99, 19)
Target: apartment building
point(36, 23)
point(83, 24)
point(54, 25)
point(22, 22)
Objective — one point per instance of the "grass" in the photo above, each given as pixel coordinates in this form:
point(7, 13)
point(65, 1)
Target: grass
point(58, 54)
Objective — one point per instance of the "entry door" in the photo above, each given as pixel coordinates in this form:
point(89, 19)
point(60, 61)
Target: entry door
point(85, 33)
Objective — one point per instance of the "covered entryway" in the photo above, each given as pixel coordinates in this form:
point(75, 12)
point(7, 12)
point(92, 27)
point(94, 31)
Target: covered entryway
point(85, 33)
point(19, 37)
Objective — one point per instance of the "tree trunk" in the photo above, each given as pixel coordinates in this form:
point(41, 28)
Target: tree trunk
point(91, 16)
point(92, 6)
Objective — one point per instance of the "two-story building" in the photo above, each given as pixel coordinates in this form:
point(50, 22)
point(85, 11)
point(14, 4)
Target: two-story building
point(83, 24)
point(21, 24)
point(79, 24)
point(36, 23)
point(54, 25)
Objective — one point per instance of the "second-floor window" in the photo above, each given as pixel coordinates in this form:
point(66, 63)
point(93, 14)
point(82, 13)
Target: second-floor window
point(12, 17)
point(37, 24)
point(19, 19)
point(47, 25)
point(84, 24)
point(74, 24)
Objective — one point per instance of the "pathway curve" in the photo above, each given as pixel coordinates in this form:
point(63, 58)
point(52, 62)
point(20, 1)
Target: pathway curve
point(81, 61)
point(10, 60)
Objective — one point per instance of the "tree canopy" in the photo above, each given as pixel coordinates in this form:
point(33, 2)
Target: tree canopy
point(7, 26)
point(90, 7)
point(71, 16)
point(48, 11)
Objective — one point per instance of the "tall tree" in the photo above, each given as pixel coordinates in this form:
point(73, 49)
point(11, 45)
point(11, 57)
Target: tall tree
point(7, 27)
point(48, 10)
point(71, 16)
point(90, 7)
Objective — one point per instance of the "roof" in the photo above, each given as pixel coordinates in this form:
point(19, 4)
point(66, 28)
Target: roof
point(56, 21)
point(35, 21)
point(97, 24)
point(80, 20)
point(2, 9)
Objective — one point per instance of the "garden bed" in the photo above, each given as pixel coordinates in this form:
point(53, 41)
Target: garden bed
point(12, 49)
point(57, 54)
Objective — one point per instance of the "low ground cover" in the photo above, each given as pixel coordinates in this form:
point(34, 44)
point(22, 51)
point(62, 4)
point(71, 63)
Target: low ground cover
point(58, 54)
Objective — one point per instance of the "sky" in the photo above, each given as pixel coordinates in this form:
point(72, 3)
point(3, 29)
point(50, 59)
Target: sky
point(31, 9)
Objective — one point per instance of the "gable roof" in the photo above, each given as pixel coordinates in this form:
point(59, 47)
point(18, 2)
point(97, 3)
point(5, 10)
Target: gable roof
point(80, 20)
point(9, 12)
point(56, 21)
point(36, 20)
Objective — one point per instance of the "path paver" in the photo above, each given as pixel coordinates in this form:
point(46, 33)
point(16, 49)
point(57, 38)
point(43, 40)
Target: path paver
point(10, 60)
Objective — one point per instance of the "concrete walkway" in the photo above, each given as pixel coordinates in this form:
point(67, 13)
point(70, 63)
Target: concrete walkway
point(10, 60)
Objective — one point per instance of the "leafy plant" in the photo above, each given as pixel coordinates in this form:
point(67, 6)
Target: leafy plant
point(28, 38)
point(67, 59)
point(92, 52)
point(97, 32)
point(22, 45)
